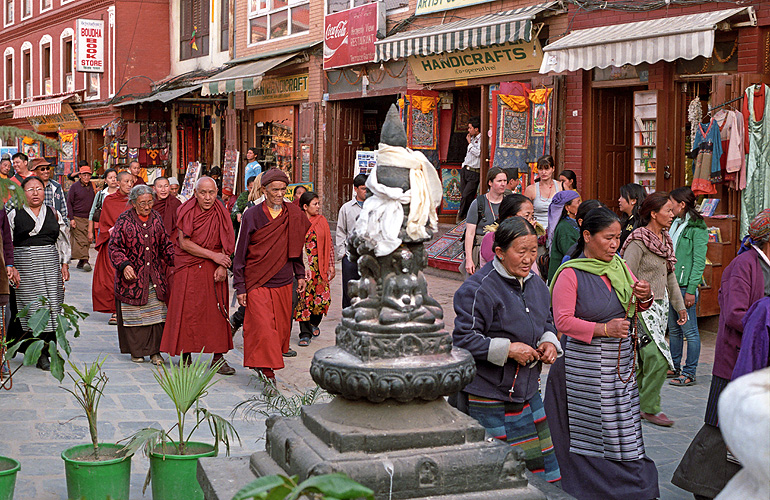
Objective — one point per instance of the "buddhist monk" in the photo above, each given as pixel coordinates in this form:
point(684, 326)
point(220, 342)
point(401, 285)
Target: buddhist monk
point(267, 260)
point(198, 315)
point(103, 287)
point(136, 170)
point(166, 205)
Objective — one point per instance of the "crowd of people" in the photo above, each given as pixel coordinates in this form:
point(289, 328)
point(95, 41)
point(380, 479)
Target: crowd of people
point(617, 286)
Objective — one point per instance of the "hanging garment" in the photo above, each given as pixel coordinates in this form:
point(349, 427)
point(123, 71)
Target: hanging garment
point(733, 161)
point(756, 196)
point(706, 168)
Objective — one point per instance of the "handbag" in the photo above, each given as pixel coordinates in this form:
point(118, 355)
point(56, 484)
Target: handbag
point(98, 211)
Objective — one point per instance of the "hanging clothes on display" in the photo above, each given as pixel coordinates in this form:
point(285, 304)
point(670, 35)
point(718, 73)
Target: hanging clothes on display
point(733, 161)
point(756, 196)
point(706, 167)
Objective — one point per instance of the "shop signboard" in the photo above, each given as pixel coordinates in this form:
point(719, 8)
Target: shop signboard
point(431, 6)
point(279, 89)
point(67, 119)
point(504, 59)
point(89, 45)
point(349, 35)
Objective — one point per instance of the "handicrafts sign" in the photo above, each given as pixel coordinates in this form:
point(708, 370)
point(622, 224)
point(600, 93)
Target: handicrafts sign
point(279, 89)
point(67, 119)
point(431, 6)
point(89, 45)
point(349, 35)
point(512, 57)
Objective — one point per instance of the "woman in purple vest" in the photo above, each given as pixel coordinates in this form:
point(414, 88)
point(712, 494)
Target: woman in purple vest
point(592, 400)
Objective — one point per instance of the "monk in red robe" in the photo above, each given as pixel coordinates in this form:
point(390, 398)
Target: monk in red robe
point(198, 314)
point(103, 287)
point(267, 260)
point(135, 168)
point(166, 205)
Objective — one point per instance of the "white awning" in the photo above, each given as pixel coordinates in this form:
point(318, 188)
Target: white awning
point(491, 29)
point(40, 108)
point(163, 96)
point(245, 76)
point(666, 39)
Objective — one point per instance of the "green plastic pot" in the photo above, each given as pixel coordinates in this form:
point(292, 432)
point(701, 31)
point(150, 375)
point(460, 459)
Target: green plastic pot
point(96, 480)
point(8, 470)
point(175, 477)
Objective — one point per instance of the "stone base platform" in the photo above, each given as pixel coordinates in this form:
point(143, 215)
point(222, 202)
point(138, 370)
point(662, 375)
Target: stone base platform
point(400, 450)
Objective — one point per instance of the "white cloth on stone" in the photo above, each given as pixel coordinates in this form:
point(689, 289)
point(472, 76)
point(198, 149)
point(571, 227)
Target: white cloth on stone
point(381, 217)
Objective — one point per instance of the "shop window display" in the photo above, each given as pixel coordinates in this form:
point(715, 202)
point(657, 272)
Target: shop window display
point(271, 19)
point(276, 145)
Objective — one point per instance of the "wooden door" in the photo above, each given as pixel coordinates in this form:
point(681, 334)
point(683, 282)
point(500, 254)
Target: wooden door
point(349, 125)
point(613, 144)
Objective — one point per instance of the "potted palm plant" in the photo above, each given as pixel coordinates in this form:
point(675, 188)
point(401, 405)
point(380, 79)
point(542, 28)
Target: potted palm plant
point(173, 456)
point(94, 471)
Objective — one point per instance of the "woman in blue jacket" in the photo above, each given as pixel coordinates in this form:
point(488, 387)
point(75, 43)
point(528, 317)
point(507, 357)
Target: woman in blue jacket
point(504, 320)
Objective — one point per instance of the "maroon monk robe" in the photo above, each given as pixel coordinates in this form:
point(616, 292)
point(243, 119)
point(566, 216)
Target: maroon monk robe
point(103, 287)
point(198, 314)
point(167, 208)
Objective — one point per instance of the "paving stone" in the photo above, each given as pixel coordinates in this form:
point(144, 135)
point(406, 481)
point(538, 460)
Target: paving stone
point(61, 430)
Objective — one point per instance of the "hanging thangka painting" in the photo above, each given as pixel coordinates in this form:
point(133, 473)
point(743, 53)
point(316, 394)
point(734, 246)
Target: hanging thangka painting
point(522, 131)
point(452, 196)
point(422, 122)
point(512, 128)
point(68, 144)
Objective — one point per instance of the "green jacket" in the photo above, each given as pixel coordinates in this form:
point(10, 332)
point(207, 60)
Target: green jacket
point(691, 255)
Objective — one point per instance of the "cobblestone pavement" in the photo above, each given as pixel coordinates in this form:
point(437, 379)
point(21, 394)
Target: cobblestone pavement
point(39, 418)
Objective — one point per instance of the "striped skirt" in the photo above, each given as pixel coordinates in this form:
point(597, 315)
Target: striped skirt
point(40, 274)
point(520, 424)
point(152, 313)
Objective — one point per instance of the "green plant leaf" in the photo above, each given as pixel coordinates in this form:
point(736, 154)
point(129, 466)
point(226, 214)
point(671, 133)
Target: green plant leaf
point(143, 439)
point(336, 485)
point(259, 486)
point(32, 353)
point(57, 364)
point(11, 352)
point(24, 312)
point(39, 320)
point(278, 493)
point(62, 327)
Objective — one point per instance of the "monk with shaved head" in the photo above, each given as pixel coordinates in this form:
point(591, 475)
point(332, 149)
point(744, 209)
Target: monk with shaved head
point(198, 314)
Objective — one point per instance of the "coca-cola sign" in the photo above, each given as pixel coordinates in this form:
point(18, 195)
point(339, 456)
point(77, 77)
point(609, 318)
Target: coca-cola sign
point(349, 35)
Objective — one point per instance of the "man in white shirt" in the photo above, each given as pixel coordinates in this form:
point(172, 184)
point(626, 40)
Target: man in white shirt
point(346, 221)
point(469, 175)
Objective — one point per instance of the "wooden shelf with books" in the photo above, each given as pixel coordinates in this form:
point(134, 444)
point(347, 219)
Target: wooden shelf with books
point(645, 138)
point(722, 229)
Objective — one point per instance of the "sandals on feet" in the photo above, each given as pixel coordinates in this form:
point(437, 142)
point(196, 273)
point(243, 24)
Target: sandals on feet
point(303, 342)
point(316, 331)
point(137, 359)
point(113, 320)
point(672, 374)
point(682, 381)
point(157, 359)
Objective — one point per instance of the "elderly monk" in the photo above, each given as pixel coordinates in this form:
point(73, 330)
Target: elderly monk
point(103, 287)
point(198, 316)
point(166, 205)
point(267, 260)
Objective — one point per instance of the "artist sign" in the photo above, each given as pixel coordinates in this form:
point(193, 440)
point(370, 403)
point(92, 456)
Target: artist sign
point(504, 59)
point(89, 45)
point(431, 6)
point(349, 35)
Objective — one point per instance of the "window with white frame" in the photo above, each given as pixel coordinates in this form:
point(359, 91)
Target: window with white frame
point(271, 19)
point(26, 9)
point(8, 11)
point(333, 6)
point(46, 63)
point(8, 74)
point(67, 73)
point(26, 71)
point(46, 5)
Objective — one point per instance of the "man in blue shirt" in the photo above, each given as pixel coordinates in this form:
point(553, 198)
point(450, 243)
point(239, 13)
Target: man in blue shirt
point(253, 168)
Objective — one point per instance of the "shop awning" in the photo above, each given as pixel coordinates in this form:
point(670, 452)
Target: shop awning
point(163, 96)
point(666, 39)
point(245, 76)
point(497, 28)
point(40, 108)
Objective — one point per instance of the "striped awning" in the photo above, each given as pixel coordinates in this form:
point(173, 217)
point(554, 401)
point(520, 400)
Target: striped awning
point(40, 108)
point(491, 29)
point(665, 39)
point(245, 76)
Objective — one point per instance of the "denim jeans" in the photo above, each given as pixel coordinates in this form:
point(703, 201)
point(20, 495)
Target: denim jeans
point(678, 334)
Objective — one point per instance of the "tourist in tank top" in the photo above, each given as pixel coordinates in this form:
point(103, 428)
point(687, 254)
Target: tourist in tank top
point(541, 193)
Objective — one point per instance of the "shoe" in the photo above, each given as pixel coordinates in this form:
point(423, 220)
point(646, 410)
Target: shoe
point(226, 369)
point(234, 324)
point(660, 419)
point(303, 342)
point(137, 359)
point(682, 381)
point(87, 267)
point(113, 320)
point(316, 331)
point(157, 359)
point(44, 363)
point(80, 264)
point(290, 353)
point(672, 374)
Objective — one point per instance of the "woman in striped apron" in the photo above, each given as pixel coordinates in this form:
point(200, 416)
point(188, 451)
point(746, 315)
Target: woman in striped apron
point(592, 400)
point(41, 253)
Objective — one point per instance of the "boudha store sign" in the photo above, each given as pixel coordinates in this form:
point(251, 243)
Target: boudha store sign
point(504, 59)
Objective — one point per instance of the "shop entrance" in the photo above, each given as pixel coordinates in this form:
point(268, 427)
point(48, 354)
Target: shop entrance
point(613, 143)
point(357, 124)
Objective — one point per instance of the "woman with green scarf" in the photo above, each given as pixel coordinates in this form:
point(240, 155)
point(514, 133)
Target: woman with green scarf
point(591, 395)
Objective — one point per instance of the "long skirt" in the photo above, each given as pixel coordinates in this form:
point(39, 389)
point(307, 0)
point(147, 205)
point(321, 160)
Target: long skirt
point(140, 328)
point(103, 287)
point(40, 274)
point(584, 475)
point(523, 425)
point(267, 327)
